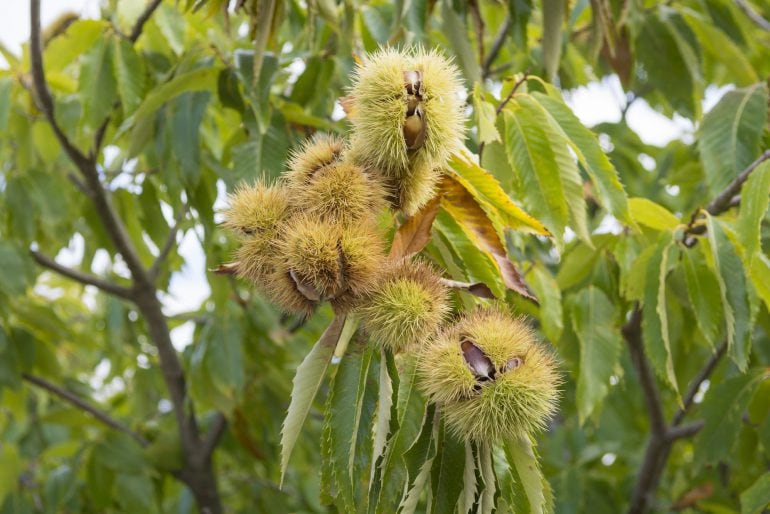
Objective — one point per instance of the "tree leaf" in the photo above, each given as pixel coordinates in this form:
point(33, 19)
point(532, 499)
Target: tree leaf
point(530, 155)
point(732, 284)
point(755, 196)
point(419, 460)
point(730, 135)
point(414, 233)
point(553, 19)
point(306, 382)
point(384, 405)
point(655, 332)
point(722, 412)
point(650, 214)
point(129, 71)
point(584, 143)
point(759, 272)
point(455, 31)
point(756, 499)
point(468, 495)
point(410, 407)
point(11, 467)
point(525, 467)
point(595, 321)
point(488, 192)
point(487, 500)
point(485, 118)
point(721, 48)
point(97, 85)
point(346, 412)
point(704, 293)
point(549, 294)
point(447, 474)
point(459, 203)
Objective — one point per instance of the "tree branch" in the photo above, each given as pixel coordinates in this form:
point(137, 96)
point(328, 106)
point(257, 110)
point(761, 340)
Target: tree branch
point(143, 18)
point(702, 375)
point(683, 431)
point(497, 45)
point(214, 435)
point(154, 270)
point(632, 332)
point(723, 201)
point(83, 278)
point(753, 15)
point(516, 86)
point(84, 406)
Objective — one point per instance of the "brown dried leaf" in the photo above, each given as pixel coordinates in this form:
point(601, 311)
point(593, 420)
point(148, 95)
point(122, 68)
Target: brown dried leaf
point(412, 236)
point(462, 206)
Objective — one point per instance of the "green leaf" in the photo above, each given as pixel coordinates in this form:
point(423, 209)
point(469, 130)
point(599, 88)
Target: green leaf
point(11, 467)
point(454, 29)
point(468, 495)
point(526, 470)
point(97, 85)
point(756, 498)
point(447, 473)
point(485, 118)
point(662, 56)
point(722, 411)
point(650, 214)
point(584, 143)
point(553, 19)
point(76, 41)
point(720, 47)
point(5, 102)
point(384, 407)
point(15, 272)
point(410, 407)
point(730, 135)
point(549, 295)
point(530, 154)
point(188, 110)
point(655, 329)
point(755, 196)
point(419, 460)
point(704, 293)
point(305, 386)
point(487, 499)
point(759, 272)
point(595, 321)
point(732, 285)
point(130, 73)
point(346, 411)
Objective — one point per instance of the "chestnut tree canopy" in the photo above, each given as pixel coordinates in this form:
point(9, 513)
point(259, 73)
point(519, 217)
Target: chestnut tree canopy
point(138, 374)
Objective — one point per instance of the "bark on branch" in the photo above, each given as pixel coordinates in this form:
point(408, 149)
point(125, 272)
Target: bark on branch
point(83, 278)
point(83, 405)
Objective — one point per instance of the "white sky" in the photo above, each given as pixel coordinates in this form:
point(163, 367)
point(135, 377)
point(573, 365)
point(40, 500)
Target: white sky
point(595, 103)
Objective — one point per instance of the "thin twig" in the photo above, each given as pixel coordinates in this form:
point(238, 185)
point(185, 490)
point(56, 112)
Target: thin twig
point(143, 18)
point(478, 21)
point(83, 278)
point(497, 45)
point(84, 406)
point(723, 201)
point(154, 270)
point(516, 86)
point(214, 435)
point(701, 377)
point(683, 431)
point(753, 15)
point(632, 332)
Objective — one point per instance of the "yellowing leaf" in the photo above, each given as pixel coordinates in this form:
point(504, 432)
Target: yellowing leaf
point(412, 236)
point(461, 205)
point(650, 214)
point(487, 190)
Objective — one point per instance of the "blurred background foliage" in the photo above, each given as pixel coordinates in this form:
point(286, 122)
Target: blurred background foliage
point(181, 113)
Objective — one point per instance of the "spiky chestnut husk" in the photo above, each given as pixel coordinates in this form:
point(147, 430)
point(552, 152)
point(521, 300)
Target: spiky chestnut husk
point(255, 213)
point(339, 192)
point(407, 114)
point(491, 376)
point(316, 153)
point(319, 261)
point(407, 306)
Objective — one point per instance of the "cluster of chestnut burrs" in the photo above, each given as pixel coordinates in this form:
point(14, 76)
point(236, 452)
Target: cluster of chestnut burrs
point(316, 236)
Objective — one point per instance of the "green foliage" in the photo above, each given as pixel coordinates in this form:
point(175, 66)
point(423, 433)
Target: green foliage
point(594, 223)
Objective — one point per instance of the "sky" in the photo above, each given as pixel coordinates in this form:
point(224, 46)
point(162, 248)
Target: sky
point(600, 101)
